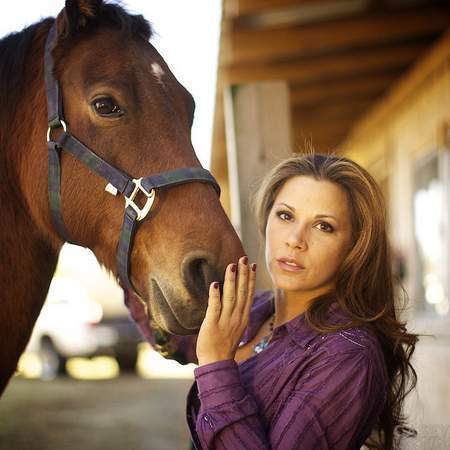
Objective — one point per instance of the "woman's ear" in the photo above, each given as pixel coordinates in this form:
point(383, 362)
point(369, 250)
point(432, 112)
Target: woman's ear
point(76, 15)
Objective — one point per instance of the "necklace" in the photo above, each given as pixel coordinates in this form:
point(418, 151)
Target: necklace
point(264, 342)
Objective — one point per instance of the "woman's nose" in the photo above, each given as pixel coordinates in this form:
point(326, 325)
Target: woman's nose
point(297, 239)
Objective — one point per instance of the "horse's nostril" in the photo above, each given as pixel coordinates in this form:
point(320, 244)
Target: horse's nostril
point(198, 273)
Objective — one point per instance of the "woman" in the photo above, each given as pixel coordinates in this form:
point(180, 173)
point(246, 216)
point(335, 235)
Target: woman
point(322, 360)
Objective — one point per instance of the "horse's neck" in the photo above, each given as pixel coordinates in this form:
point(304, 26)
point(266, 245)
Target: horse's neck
point(28, 250)
point(26, 269)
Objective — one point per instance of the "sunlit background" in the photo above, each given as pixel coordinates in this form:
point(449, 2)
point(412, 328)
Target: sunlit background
point(83, 317)
point(429, 219)
point(186, 35)
point(84, 308)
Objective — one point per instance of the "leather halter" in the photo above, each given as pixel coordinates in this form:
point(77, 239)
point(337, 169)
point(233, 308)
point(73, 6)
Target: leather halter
point(118, 181)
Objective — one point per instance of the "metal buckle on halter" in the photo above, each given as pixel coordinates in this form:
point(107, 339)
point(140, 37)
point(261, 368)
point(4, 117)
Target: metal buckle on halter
point(129, 201)
point(60, 124)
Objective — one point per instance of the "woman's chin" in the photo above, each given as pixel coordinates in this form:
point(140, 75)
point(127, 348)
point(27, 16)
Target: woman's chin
point(289, 283)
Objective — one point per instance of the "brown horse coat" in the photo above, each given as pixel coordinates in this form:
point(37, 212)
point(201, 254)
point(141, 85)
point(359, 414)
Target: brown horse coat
point(105, 65)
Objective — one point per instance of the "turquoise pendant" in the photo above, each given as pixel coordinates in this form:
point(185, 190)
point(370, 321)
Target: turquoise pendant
point(261, 345)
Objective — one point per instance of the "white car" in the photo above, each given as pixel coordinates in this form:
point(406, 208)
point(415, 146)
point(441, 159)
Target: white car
point(72, 323)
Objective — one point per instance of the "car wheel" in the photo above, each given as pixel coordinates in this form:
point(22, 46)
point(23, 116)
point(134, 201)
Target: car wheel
point(53, 364)
point(127, 358)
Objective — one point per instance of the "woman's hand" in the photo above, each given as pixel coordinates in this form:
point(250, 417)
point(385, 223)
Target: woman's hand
point(226, 319)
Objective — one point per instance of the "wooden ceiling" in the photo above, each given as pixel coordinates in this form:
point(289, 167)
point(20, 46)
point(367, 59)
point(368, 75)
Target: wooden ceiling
point(337, 56)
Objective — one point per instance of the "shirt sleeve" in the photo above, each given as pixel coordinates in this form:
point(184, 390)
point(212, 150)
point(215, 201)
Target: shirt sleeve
point(334, 406)
point(179, 348)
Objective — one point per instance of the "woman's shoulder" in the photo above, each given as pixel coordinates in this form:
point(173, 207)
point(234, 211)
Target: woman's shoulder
point(362, 337)
point(357, 340)
point(341, 340)
point(353, 350)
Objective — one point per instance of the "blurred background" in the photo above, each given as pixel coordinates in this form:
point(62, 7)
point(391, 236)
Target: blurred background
point(369, 79)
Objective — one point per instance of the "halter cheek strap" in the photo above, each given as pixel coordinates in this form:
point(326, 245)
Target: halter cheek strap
point(118, 181)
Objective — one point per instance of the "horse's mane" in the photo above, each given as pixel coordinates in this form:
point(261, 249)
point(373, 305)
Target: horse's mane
point(15, 51)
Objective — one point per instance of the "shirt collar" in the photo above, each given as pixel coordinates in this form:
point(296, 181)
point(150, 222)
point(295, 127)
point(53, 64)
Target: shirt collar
point(300, 333)
point(296, 328)
point(261, 311)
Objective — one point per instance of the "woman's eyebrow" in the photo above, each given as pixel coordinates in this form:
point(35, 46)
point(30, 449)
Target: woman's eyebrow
point(318, 216)
point(323, 216)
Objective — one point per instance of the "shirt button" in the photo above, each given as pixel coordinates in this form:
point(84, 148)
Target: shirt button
point(207, 419)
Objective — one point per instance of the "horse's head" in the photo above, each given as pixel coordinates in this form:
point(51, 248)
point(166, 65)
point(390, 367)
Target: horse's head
point(122, 101)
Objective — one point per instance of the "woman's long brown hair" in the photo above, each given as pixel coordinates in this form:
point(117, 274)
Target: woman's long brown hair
point(365, 286)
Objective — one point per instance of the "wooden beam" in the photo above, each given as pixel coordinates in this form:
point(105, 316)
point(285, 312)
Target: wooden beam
point(351, 107)
point(263, 45)
point(324, 134)
point(330, 127)
point(332, 123)
point(244, 7)
point(328, 131)
point(286, 13)
point(366, 98)
point(326, 67)
point(437, 57)
point(323, 139)
point(323, 128)
point(326, 126)
point(319, 93)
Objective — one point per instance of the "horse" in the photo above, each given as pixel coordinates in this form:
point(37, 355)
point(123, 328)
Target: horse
point(121, 100)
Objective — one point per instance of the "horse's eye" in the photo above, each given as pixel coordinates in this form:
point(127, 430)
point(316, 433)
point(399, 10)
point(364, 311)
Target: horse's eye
point(106, 106)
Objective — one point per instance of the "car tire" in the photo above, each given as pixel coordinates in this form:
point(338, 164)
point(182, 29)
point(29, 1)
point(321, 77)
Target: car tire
point(52, 363)
point(127, 358)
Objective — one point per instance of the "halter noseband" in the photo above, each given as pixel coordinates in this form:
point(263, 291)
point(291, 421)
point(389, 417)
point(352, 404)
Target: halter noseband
point(118, 181)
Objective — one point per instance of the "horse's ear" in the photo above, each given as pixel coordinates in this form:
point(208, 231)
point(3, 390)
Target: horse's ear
point(76, 15)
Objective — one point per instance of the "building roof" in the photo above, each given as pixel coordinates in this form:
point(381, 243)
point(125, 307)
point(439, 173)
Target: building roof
point(339, 57)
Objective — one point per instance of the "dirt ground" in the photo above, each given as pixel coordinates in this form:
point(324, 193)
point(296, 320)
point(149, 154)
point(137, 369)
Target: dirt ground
point(126, 413)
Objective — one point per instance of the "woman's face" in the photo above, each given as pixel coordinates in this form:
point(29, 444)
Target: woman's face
point(308, 234)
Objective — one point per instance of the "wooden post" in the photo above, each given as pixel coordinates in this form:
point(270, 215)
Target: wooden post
point(258, 135)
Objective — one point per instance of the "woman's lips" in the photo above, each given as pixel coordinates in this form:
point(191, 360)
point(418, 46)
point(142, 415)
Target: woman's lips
point(290, 267)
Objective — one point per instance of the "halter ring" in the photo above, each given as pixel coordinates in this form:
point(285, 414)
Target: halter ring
point(61, 124)
point(129, 201)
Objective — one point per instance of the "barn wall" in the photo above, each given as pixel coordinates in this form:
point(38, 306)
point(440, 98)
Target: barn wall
point(404, 141)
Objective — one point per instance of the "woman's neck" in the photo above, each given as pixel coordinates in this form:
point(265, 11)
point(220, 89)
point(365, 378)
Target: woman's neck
point(290, 304)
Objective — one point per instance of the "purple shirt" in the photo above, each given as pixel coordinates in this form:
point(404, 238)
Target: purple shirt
point(306, 390)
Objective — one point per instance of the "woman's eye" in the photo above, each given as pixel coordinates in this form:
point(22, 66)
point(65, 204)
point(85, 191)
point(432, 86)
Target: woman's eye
point(106, 106)
point(283, 215)
point(327, 227)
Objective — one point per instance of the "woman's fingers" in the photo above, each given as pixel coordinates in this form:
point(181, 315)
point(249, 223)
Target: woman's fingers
point(227, 315)
point(229, 290)
point(242, 285)
point(238, 290)
point(250, 290)
point(214, 304)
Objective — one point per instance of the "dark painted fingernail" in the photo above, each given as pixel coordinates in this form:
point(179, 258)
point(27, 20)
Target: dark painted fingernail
point(254, 267)
point(245, 260)
point(216, 285)
point(233, 268)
